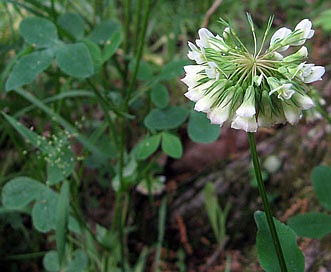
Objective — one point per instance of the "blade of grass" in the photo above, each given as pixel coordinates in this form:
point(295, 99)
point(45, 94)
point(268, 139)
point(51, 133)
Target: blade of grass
point(62, 218)
point(161, 227)
point(63, 95)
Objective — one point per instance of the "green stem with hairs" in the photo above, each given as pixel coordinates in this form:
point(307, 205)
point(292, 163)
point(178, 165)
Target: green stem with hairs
point(265, 202)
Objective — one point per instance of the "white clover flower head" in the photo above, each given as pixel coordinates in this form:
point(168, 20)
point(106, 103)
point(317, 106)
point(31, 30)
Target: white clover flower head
point(247, 89)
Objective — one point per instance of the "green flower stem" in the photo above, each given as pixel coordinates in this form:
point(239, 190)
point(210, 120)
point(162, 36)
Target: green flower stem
point(323, 112)
point(265, 202)
point(105, 108)
point(147, 5)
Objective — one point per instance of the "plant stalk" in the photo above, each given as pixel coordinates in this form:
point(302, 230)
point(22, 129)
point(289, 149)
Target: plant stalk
point(265, 202)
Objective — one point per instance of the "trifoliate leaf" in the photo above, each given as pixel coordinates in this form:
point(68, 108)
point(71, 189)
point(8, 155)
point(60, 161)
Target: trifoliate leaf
point(168, 118)
point(160, 96)
point(72, 23)
point(200, 129)
point(148, 146)
point(28, 67)
point(38, 31)
point(75, 60)
point(172, 145)
point(20, 191)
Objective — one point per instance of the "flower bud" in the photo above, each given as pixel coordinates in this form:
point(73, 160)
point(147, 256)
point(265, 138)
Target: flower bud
point(304, 28)
point(300, 55)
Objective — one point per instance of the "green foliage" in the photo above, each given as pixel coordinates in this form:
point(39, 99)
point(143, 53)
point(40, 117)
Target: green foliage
point(171, 145)
point(75, 60)
point(217, 216)
point(172, 69)
point(160, 96)
point(62, 219)
point(322, 184)
point(77, 264)
point(79, 60)
point(164, 119)
point(72, 75)
point(38, 32)
point(28, 67)
point(313, 224)
point(200, 130)
point(111, 45)
point(266, 251)
point(103, 32)
point(323, 20)
point(51, 261)
point(148, 146)
point(44, 210)
point(60, 158)
point(73, 24)
point(20, 191)
point(161, 232)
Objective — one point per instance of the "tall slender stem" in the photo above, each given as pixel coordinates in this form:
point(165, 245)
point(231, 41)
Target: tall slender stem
point(147, 6)
point(265, 202)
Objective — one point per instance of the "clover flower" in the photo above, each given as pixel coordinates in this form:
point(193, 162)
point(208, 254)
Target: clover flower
point(251, 89)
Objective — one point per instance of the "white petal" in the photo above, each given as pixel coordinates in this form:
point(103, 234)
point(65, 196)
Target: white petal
point(195, 54)
point(194, 69)
point(194, 95)
point(204, 35)
point(305, 101)
point(197, 92)
point(305, 27)
point(316, 74)
point(245, 123)
point(247, 108)
point(292, 113)
point(304, 24)
point(303, 51)
point(299, 72)
point(204, 104)
point(280, 35)
point(284, 91)
point(278, 56)
point(219, 115)
point(212, 71)
point(192, 75)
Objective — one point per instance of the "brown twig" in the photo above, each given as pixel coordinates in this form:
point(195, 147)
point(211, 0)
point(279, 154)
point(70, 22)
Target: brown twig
point(183, 234)
point(210, 11)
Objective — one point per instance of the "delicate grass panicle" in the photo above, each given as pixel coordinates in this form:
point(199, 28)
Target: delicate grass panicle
point(251, 89)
